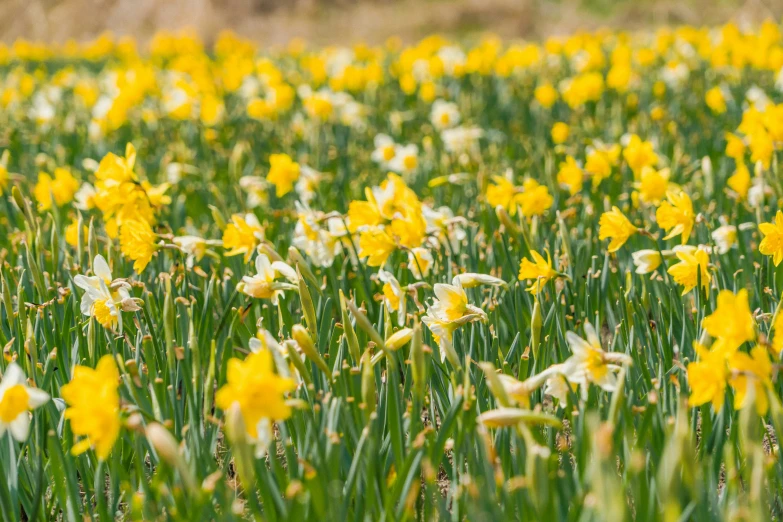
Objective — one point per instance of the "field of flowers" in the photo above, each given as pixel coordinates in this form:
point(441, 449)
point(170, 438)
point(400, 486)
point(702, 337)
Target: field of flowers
point(469, 281)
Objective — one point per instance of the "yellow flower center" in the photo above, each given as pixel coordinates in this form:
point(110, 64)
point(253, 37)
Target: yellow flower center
point(410, 162)
point(102, 313)
point(388, 152)
point(15, 401)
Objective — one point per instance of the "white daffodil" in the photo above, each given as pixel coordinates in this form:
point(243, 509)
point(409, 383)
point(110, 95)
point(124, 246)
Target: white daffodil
point(646, 260)
point(394, 296)
point(318, 235)
point(405, 160)
point(420, 262)
point(444, 115)
point(590, 363)
point(448, 311)
point(725, 237)
point(263, 285)
point(472, 280)
point(443, 227)
point(16, 401)
point(385, 149)
point(104, 297)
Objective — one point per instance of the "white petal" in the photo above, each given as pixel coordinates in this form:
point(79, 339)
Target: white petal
point(13, 376)
point(20, 426)
point(37, 397)
point(101, 268)
point(285, 270)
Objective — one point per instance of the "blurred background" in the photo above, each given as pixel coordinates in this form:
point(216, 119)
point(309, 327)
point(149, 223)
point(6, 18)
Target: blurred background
point(350, 21)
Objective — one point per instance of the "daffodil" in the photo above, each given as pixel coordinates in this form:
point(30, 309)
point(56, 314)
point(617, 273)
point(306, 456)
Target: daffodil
point(693, 265)
point(242, 235)
point(394, 295)
point(94, 406)
point(376, 245)
point(16, 401)
point(138, 243)
point(676, 215)
point(615, 226)
point(732, 321)
point(725, 238)
point(283, 173)
point(653, 185)
point(450, 310)
point(444, 114)
point(639, 154)
point(707, 378)
point(259, 393)
point(751, 377)
point(560, 132)
point(590, 364)
point(646, 261)
point(264, 284)
point(570, 175)
point(59, 189)
point(772, 244)
point(539, 270)
point(105, 298)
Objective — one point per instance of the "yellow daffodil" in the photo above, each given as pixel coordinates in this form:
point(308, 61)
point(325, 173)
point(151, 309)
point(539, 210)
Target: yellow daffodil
point(772, 244)
point(707, 378)
point(692, 266)
point(539, 270)
point(751, 376)
point(259, 393)
point(570, 175)
point(62, 187)
point(283, 173)
point(94, 406)
point(137, 242)
point(732, 321)
point(676, 216)
point(242, 235)
point(615, 226)
point(590, 364)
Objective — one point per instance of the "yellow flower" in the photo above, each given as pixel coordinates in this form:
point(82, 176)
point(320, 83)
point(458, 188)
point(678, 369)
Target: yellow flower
point(735, 147)
point(502, 193)
point(283, 173)
point(740, 181)
point(715, 100)
point(777, 338)
point(772, 244)
point(63, 187)
point(72, 233)
point(260, 393)
point(692, 265)
point(639, 154)
point(4, 178)
point(707, 378)
point(570, 175)
point(540, 270)
point(653, 185)
point(676, 215)
point(363, 214)
point(535, 199)
point(600, 161)
point(731, 322)
point(751, 372)
point(451, 303)
point(546, 95)
point(615, 226)
point(376, 245)
point(137, 242)
point(242, 235)
point(94, 406)
point(560, 132)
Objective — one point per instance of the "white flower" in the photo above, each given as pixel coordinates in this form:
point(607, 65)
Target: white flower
point(83, 197)
point(725, 237)
point(16, 401)
point(385, 149)
point(263, 285)
point(443, 227)
point(557, 386)
point(462, 140)
point(394, 296)
point(405, 160)
point(646, 261)
point(104, 298)
point(444, 114)
point(320, 243)
point(470, 280)
point(256, 189)
point(590, 363)
point(420, 262)
point(307, 185)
